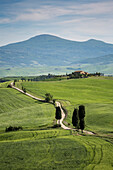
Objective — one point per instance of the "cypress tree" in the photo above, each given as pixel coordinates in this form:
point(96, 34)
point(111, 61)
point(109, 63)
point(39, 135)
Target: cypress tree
point(75, 118)
point(58, 113)
point(81, 117)
point(81, 112)
point(82, 125)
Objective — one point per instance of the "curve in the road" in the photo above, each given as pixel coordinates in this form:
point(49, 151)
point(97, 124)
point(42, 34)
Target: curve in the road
point(57, 104)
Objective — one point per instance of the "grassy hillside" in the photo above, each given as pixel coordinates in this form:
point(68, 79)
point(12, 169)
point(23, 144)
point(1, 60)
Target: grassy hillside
point(96, 94)
point(41, 70)
point(17, 109)
point(33, 71)
point(52, 148)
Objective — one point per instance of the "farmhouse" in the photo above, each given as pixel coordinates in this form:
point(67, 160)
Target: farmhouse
point(76, 73)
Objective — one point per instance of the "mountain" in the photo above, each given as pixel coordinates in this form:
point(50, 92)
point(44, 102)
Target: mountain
point(103, 60)
point(48, 50)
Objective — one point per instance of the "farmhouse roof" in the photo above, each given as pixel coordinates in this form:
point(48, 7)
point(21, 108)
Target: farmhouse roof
point(79, 71)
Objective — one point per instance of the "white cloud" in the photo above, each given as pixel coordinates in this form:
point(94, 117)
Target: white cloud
point(35, 62)
point(48, 12)
point(69, 19)
point(44, 13)
point(93, 8)
point(23, 64)
point(5, 20)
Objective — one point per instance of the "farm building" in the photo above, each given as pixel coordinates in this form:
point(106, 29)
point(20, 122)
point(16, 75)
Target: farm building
point(76, 73)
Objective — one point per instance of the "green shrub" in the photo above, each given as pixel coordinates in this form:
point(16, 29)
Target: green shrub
point(11, 128)
point(48, 97)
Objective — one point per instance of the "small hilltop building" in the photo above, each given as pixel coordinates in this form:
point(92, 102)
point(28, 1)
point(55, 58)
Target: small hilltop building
point(77, 73)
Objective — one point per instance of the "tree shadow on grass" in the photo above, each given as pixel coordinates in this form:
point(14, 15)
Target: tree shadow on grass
point(39, 102)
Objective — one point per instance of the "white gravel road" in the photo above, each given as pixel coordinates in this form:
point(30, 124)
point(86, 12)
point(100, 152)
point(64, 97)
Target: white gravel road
point(57, 104)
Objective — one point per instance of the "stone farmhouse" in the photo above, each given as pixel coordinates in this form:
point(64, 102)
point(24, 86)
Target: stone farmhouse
point(76, 73)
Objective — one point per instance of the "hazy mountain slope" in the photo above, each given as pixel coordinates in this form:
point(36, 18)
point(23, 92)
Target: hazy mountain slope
point(52, 51)
point(107, 59)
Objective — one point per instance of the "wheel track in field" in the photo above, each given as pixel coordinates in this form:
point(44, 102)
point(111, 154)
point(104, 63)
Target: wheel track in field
point(57, 104)
point(101, 156)
point(90, 164)
point(94, 162)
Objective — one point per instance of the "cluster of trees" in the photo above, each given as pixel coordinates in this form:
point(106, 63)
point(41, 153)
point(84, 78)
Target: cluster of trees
point(2, 80)
point(38, 78)
point(73, 76)
point(50, 76)
point(43, 77)
point(11, 128)
point(78, 118)
point(78, 114)
point(96, 74)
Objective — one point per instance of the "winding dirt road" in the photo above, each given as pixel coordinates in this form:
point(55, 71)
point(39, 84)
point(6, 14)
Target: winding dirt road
point(65, 127)
point(36, 98)
point(63, 117)
point(57, 104)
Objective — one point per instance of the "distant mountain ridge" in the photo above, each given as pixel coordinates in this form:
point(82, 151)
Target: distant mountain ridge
point(49, 50)
point(107, 59)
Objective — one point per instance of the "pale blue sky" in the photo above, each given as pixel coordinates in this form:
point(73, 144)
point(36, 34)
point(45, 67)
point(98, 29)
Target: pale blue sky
point(77, 20)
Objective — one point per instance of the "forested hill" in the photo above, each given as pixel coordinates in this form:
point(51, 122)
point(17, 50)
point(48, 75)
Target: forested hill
point(53, 51)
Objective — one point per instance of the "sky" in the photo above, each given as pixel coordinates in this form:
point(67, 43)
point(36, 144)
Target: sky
point(77, 20)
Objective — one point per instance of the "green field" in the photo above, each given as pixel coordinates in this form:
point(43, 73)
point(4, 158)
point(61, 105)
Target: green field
point(17, 109)
point(41, 70)
point(39, 145)
point(95, 93)
point(54, 149)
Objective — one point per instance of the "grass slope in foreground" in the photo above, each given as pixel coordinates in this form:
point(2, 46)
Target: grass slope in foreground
point(17, 109)
point(54, 149)
point(95, 93)
point(45, 149)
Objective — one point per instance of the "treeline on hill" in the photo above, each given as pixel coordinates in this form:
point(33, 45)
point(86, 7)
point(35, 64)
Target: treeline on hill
point(79, 75)
point(50, 77)
point(32, 78)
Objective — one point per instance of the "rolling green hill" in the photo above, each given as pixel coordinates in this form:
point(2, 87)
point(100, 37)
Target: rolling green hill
point(56, 152)
point(19, 110)
point(39, 147)
point(95, 93)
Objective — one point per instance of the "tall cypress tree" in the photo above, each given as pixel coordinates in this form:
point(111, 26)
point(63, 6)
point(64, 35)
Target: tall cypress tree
point(81, 117)
point(81, 112)
point(58, 113)
point(75, 118)
point(82, 125)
